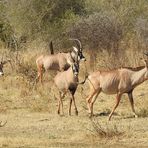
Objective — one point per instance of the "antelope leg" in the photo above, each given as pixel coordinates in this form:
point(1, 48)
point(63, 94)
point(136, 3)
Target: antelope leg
point(118, 98)
point(93, 100)
point(130, 96)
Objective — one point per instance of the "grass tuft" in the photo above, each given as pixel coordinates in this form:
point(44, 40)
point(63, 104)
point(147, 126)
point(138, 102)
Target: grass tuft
point(143, 112)
point(106, 131)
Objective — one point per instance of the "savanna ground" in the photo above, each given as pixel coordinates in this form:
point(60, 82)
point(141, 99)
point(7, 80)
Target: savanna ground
point(32, 120)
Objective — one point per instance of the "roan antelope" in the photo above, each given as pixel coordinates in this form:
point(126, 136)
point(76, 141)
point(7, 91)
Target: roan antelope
point(59, 61)
point(119, 81)
point(67, 81)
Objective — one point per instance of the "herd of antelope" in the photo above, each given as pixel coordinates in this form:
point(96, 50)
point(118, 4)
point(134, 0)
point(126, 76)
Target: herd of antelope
point(118, 81)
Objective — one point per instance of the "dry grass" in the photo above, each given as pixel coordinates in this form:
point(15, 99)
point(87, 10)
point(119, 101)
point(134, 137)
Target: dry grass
point(143, 112)
point(106, 130)
point(32, 120)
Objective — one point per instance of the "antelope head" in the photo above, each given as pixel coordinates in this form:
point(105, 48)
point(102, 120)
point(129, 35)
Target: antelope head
point(78, 50)
point(145, 63)
point(146, 66)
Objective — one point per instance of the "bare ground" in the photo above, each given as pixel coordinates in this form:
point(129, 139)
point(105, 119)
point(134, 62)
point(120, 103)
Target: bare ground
point(25, 129)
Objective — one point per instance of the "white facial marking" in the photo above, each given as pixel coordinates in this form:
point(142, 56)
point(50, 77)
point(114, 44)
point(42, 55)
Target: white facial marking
point(75, 73)
point(1, 73)
point(74, 48)
point(78, 58)
point(83, 59)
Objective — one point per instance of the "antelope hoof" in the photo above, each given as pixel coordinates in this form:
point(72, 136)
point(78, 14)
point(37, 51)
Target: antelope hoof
point(91, 115)
point(109, 118)
point(58, 112)
point(76, 112)
point(136, 116)
point(89, 112)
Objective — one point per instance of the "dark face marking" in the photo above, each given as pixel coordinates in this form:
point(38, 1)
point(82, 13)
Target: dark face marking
point(81, 56)
point(75, 69)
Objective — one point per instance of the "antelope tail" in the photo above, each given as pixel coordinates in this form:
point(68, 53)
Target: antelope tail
point(51, 48)
point(86, 77)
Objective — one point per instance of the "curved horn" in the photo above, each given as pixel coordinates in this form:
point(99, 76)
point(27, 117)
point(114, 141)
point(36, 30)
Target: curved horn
point(78, 41)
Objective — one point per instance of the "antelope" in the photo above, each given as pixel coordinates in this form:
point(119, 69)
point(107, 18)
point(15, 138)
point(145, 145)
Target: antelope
point(2, 63)
point(1, 69)
point(67, 81)
point(119, 81)
point(59, 61)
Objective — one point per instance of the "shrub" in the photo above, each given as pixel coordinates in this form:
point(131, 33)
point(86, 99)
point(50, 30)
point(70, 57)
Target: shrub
point(107, 131)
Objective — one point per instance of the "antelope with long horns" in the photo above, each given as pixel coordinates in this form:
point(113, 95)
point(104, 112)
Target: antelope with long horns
point(59, 61)
point(67, 81)
point(119, 81)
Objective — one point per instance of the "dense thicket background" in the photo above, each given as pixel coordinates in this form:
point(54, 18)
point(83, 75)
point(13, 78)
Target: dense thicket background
point(113, 26)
